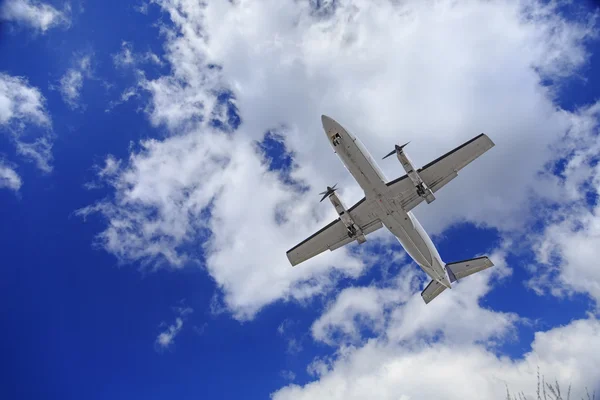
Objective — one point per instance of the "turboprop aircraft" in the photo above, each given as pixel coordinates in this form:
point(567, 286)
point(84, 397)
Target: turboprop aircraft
point(389, 204)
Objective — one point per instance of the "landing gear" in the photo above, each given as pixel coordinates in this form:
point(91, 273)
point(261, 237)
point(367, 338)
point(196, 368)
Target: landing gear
point(351, 231)
point(420, 186)
point(425, 192)
point(336, 139)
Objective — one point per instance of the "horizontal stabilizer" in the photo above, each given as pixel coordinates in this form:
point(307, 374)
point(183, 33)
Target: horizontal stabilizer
point(461, 269)
point(432, 291)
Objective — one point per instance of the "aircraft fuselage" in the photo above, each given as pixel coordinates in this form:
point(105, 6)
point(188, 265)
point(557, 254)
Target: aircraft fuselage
point(371, 179)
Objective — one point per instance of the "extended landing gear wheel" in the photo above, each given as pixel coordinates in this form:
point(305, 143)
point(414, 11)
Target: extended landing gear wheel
point(336, 139)
point(351, 232)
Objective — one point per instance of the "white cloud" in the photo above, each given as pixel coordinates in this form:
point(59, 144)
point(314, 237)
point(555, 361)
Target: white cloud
point(142, 8)
point(359, 307)
point(71, 82)
point(434, 72)
point(444, 350)
point(284, 326)
point(164, 205)
point(127, 94)
point(165, 339)
point(9, 178)
point(387, 369)
point(22, 107)
point(111, 167)
point(128, 58)
point(39, 151)
point(105, 173)
point(437, 73)
point(288, 375)
point(294, 345)
point(443, 80)
point(566, 250)
point(35, 14)
point(397, 311)
point(574, 242)
point(20, 102)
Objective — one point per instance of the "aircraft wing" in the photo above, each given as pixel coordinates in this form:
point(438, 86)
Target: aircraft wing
point(439, 172)
point(334, 235)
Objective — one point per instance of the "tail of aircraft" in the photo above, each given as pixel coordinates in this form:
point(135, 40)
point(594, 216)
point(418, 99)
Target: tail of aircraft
point(456, 270)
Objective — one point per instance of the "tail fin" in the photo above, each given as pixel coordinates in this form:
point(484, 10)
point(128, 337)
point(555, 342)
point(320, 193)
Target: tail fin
point(460, 269)
point(456, 270)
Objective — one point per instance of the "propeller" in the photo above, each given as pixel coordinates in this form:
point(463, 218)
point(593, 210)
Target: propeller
point(329, 191)
point(396, 150)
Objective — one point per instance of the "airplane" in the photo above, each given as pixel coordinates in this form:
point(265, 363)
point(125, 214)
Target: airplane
point(389, 204)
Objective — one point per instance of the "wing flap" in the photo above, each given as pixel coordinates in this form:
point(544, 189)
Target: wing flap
point(334, 235)
point(439, 172)
point(317, 243)
point(372, 227)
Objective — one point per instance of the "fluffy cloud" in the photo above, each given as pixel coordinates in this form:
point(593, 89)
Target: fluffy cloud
point(357, 308)
point(21, 103)
point(37, 15)
point(397, 312)
point(456, 69)
point(165, 339)
point(433, 72)
point(566, 250)
point(294, 344)
point(24, 116)
point(385, 369)
point(437, 73)
point(164, 207)
point(573, 242)
point(128, 58)
point(452, 341)
point(288, 375)
point(71, 82)
point(126, 95)
point(9, 177)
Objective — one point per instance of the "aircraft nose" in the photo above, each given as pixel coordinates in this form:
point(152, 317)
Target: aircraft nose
point(327, 122)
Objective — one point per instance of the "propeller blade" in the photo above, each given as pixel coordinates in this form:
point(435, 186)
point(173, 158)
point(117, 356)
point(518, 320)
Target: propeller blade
point(396, 150)
point(329, 191)
point(391, 152)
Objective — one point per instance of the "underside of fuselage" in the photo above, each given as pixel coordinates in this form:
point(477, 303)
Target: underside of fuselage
point(371, 179)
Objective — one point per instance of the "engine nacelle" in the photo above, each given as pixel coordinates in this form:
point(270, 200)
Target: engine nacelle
point(354, 231)
point(422, 189)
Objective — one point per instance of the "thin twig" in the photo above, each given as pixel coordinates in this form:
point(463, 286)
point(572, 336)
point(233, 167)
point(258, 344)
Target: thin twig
point(538, 383)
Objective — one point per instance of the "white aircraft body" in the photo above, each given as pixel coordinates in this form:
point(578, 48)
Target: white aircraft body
point(389, 204)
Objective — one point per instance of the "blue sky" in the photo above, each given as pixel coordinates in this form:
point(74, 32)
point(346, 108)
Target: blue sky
point(158, 159)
